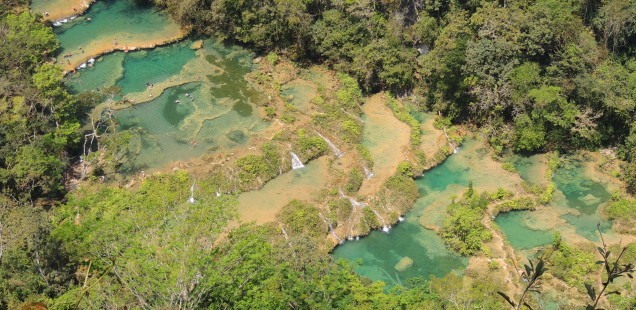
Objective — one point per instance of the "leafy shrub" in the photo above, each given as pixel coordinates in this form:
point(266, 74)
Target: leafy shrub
point(509, 167)
point(354, 180)
point(302, 218)
point(463, 230)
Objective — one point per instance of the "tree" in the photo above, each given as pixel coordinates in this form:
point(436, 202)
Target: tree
point(613, 270)
point(531, 275)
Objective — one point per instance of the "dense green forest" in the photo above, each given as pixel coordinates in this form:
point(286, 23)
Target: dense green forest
point(531, 75)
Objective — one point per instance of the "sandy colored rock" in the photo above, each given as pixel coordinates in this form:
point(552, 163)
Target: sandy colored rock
point(198, 44)
point(404, 263)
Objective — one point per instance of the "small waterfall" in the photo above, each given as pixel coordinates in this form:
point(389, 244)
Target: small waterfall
point(333, 147)
point(368, 172)
point(354, 202)
point(385, 228)
point(400, 218)
point(284, 232)
point(296, 163)
point(353, 115)
point(191, 198)
point(455, 148)
point(333, 233)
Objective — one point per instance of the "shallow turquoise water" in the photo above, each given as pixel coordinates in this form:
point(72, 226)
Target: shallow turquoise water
point(186, 121)
point(153, 66)
point(580, 195)
point(584, 195)
point(111, 19)
point(379, 252)
point(105, 73)
point(515, 227)
point(180, 124)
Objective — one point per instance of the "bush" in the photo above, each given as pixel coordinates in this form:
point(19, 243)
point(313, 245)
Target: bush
point(509, 167)
point(463, 230)
point(272, 58)
point(354, 180)
point(302, 218)
point(572, 265)
point(547, 194)
point(517, 204)
point(620, 207)
point(500, 194)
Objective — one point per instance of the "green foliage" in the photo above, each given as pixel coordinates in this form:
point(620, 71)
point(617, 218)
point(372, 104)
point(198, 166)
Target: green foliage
point(532, 276)
point(509, 167)
point(272, 58)
point(547, 194)
point(155, 231)
point(500, 194)
point(352, 131)
point(571, 265)
point(365, 154)
point(309, 147)
point(621, 208)
point(342, 208)
point(349, 94)
point(254, 170)
point(354, 180)
point(521, 203)
point(463, 230)
point(302, 218)
point(38, 116)
point(401, 113)
point(26, 42)
point(34, 265)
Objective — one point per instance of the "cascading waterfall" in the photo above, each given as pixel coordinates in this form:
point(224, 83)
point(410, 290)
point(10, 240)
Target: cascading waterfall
point(191, 198)
point(368, 172)
point(354, 202)
point(284, 232)
point(401, 218)
point(331, 231)
point(353, 115)
point(296, 163)
point(385, 227)
point(333, 147)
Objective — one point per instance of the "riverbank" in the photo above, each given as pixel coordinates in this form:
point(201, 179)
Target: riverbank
point(107, 26)
point(56, 10)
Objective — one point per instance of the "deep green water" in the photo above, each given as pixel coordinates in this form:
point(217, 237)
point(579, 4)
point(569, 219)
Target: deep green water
point(379, 252)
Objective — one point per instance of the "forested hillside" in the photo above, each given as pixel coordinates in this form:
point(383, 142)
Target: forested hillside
point(534, 75)
point(531, 76)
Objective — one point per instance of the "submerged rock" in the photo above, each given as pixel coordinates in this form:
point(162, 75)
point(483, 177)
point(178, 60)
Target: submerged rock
point(590, 200)
point(404, 263)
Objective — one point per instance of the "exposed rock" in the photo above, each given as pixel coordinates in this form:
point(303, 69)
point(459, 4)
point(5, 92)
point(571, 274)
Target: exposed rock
point(198, 44)
point(433, 228)
point(404, 263)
